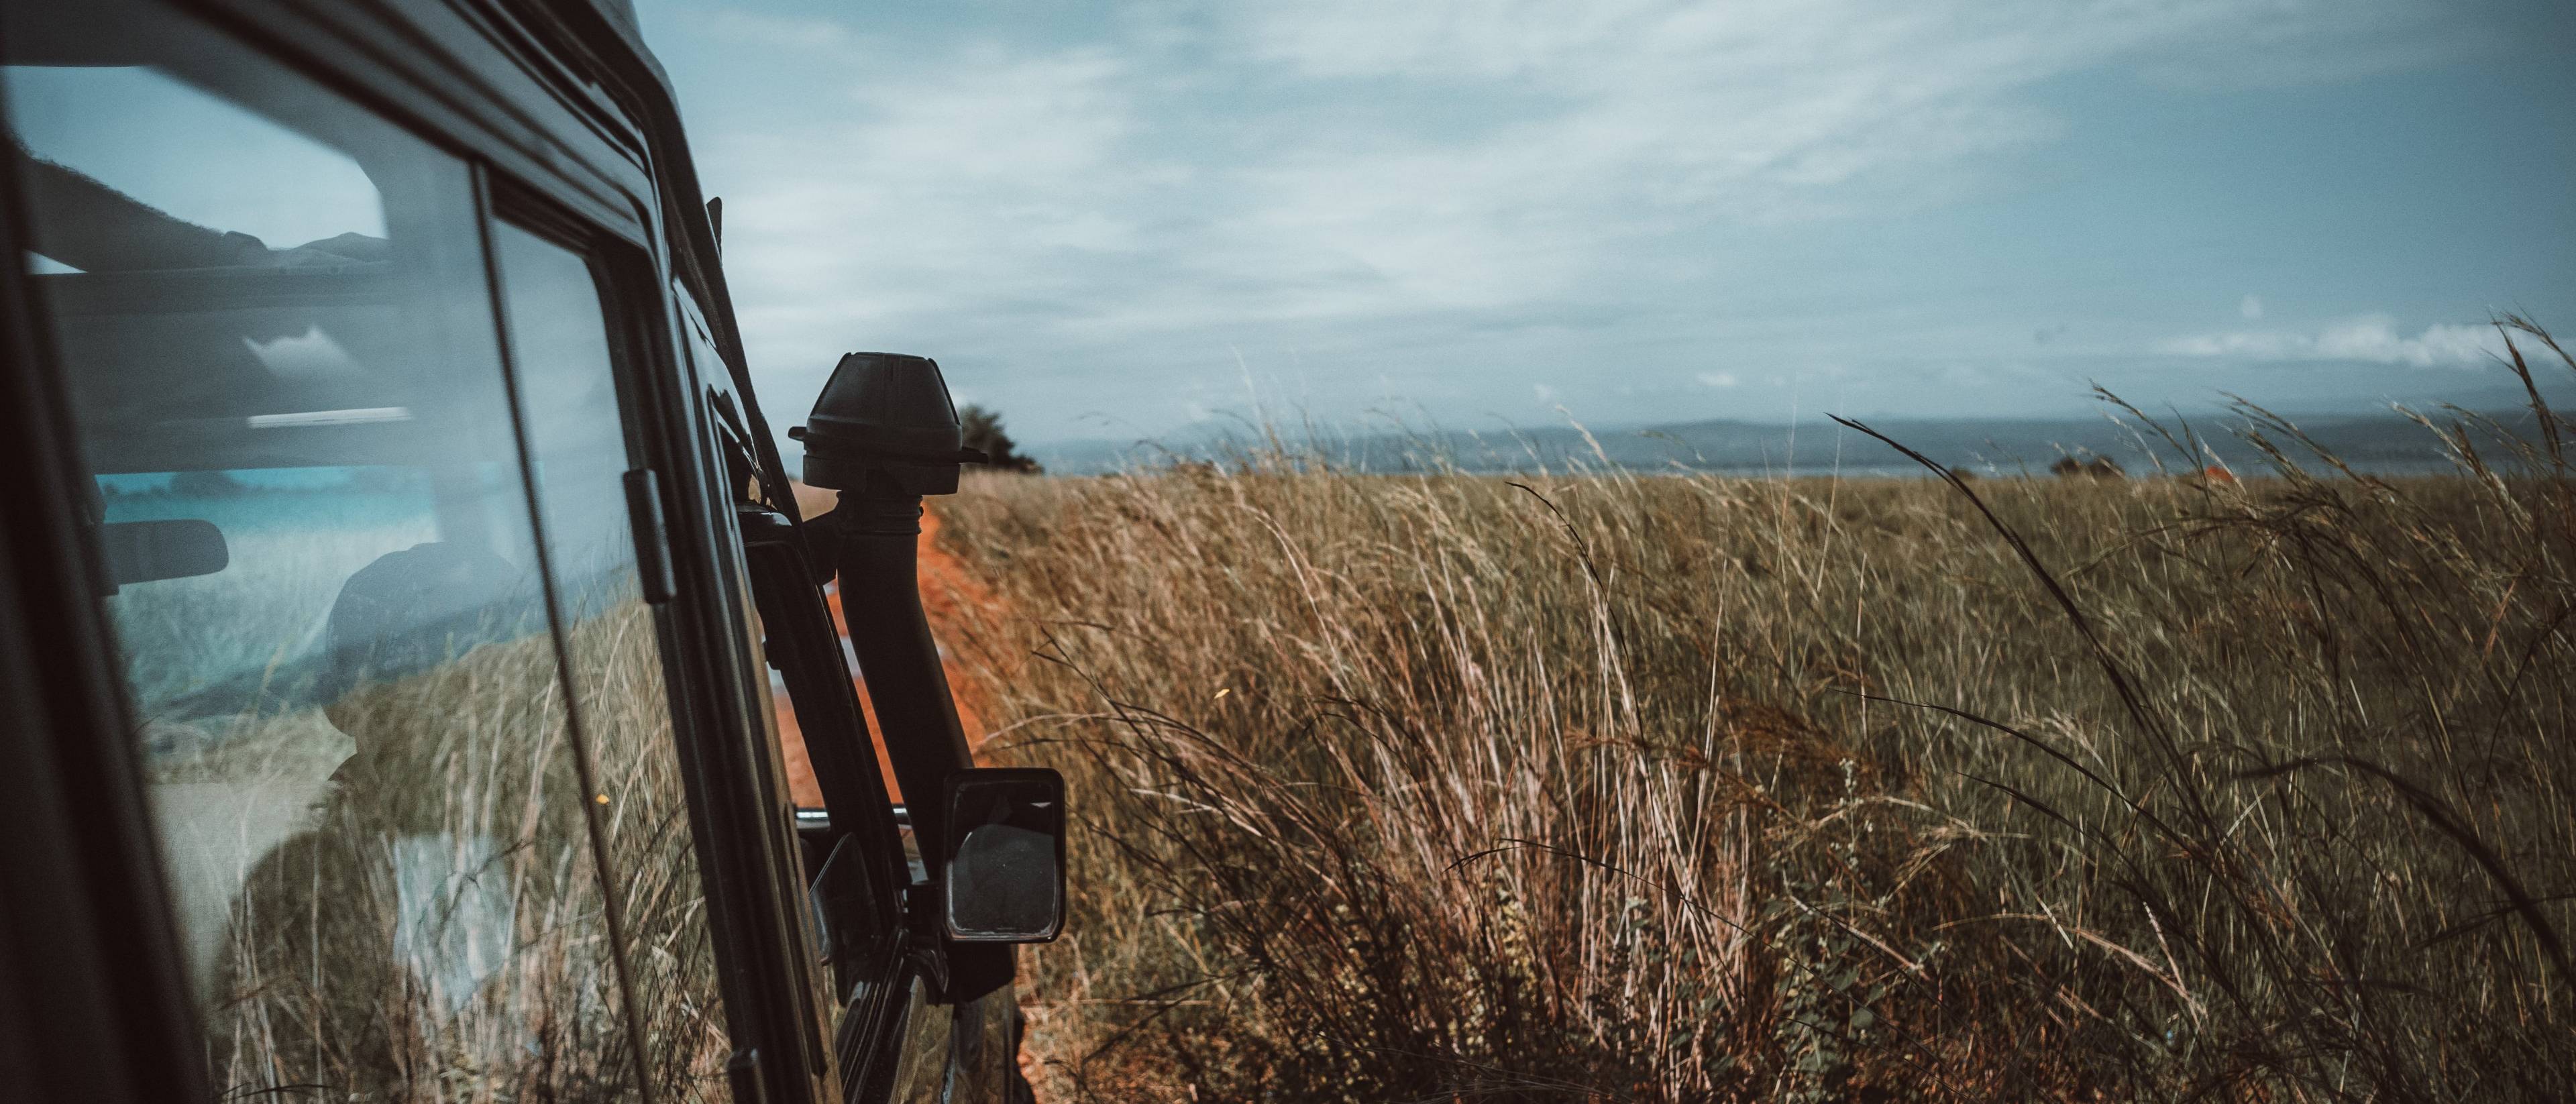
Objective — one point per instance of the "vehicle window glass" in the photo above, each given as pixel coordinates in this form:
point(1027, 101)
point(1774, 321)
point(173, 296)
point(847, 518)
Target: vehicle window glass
point(271, 312)
point(561, 362)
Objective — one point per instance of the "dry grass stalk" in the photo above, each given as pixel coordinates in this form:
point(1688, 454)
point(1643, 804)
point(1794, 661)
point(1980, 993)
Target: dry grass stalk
point(436, 930)
point(1598, 786)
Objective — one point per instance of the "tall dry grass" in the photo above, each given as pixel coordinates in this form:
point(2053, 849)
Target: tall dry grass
point(1607, 787)
point(437, 927)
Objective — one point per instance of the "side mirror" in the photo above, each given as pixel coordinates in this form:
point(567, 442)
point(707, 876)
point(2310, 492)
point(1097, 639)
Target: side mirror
point(1005, 852)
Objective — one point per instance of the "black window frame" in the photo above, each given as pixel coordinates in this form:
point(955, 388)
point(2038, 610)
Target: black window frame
point(621, 274)
point(860, 876)
point(715, 672)
point(764, 832)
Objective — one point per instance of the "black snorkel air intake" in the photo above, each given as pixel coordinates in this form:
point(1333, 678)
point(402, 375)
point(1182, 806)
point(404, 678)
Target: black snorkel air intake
point(884, 433)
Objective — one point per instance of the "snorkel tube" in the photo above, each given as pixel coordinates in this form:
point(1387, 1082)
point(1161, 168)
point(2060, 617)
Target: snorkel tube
point(884, 434)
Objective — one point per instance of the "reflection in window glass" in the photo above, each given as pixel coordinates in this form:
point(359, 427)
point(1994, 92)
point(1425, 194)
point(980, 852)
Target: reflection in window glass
point(198, 159)
point(271, 312)
point(567, 388)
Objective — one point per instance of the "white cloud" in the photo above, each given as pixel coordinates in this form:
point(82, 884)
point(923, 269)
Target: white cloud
point(309, 355)
point(2293, 42)
point(781, 32)
point(2373, 338)
point(2252, 306)
point(994, 173)
point(1545, 393)
point(979, 184)
point(1749, 111)
point(1129, 194)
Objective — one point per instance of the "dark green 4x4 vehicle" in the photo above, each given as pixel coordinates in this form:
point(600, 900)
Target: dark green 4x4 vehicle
point(398, 580)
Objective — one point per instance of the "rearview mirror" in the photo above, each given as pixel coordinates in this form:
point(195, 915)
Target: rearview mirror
point(1005, 852)
point(145, 551)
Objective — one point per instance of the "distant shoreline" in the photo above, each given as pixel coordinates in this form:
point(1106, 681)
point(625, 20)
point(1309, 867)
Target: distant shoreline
point(2384, 445)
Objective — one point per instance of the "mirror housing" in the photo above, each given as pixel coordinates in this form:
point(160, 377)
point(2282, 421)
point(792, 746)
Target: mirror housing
point(1005, 855)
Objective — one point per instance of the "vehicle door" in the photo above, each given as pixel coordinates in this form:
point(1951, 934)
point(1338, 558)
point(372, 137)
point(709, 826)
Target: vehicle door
point(363, 461)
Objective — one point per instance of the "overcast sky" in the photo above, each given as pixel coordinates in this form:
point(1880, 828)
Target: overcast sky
point(1113, 220)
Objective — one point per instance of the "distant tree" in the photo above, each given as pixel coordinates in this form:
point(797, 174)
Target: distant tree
point(2100, 467)
point(983, 432)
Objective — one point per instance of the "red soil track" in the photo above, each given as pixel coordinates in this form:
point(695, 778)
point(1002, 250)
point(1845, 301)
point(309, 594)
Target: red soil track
point(952, 598)
point(955, 601)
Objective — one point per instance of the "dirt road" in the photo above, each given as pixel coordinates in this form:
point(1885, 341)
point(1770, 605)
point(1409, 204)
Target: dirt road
point(949, 595)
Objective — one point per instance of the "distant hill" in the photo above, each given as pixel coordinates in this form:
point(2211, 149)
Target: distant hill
point(2381, 442)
